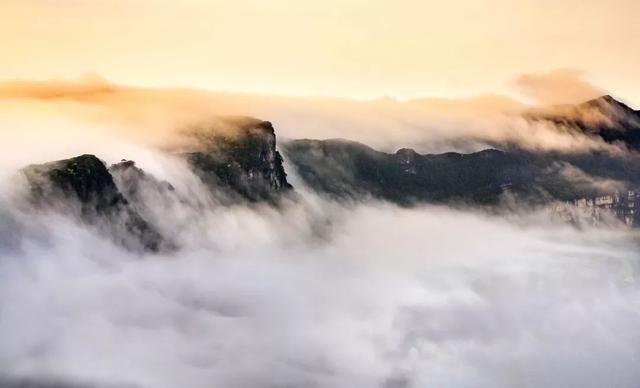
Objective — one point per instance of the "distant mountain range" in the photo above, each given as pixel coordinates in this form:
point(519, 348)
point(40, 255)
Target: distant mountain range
point(346, 169)
point(350, 170)
point(244, 165)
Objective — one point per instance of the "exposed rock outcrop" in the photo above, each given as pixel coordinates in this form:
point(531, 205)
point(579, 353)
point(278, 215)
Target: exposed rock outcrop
point(83, 186)
point(241, 158)
point(238, 160)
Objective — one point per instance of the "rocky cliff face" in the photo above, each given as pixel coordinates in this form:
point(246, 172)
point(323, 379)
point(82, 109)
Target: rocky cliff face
point(239, 160)
point(242, 158)
point(84, 187)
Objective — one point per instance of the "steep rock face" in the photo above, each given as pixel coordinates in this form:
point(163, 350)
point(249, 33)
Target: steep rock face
point(83, 185)
point(242, 159)
point(350, 170)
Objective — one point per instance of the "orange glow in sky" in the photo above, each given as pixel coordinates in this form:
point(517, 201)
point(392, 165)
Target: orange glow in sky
point(349, 48)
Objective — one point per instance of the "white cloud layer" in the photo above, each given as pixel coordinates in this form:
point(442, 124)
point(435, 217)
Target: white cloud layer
point(320, 295)
point(316, 294)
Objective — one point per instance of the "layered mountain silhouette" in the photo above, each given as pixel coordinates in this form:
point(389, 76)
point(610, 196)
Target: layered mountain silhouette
point(349, 170)
point(238, 165)
point(238, 160)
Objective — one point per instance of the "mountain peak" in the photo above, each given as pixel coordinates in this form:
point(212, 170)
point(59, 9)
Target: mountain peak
point(605, 117)
point(83, 186)
point(607, 101)
point(406, 155)
point(239, 153)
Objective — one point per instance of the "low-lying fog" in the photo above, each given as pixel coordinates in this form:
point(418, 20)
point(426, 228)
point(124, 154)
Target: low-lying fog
point(317, 294)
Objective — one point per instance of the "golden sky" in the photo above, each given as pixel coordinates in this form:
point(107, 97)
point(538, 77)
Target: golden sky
point(350, 48)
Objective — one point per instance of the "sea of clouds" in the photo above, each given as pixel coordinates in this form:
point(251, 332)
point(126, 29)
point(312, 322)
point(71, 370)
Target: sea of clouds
point(313, 293)
point(316, 294)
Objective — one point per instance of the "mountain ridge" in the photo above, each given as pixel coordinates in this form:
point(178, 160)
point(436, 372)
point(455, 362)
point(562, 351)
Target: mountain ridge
point(240, 166)
point(349, 170)
point(238, 157)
